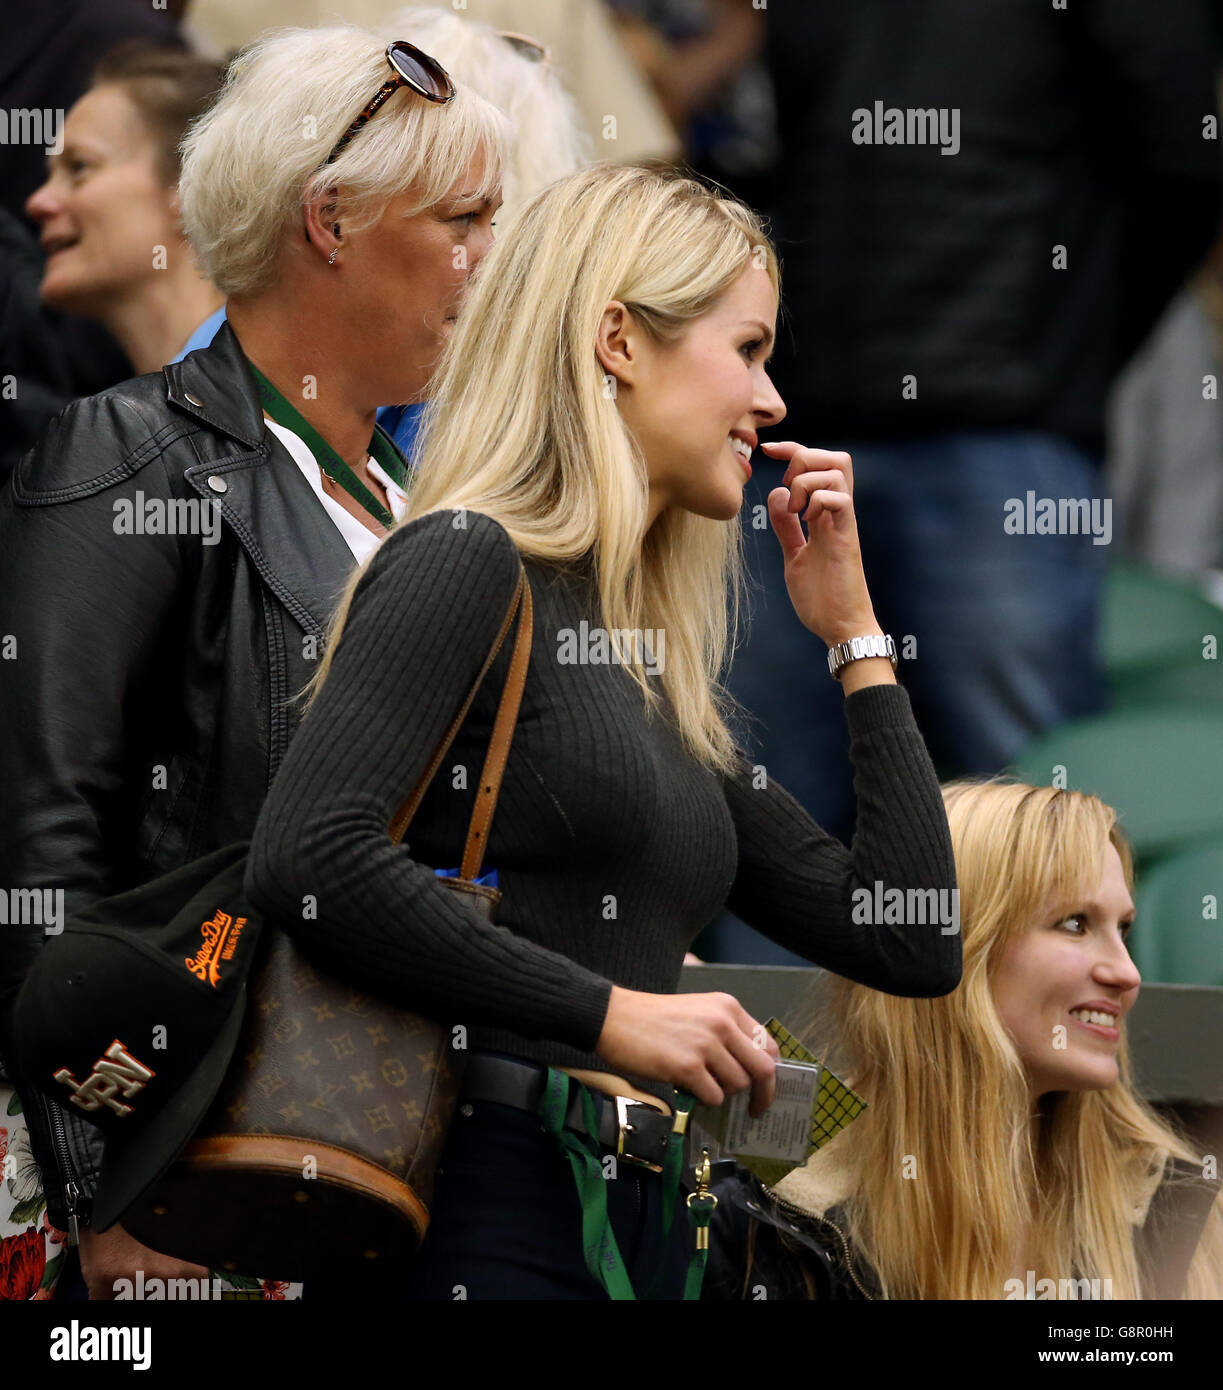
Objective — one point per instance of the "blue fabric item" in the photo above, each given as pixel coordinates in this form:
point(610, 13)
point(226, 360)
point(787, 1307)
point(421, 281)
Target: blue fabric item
point(1001, 629)
point(489, 878)
point(203, 335)
point(402, 423)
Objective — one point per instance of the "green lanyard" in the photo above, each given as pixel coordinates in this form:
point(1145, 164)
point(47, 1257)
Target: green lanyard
point(326, 457)
point(603, 1258)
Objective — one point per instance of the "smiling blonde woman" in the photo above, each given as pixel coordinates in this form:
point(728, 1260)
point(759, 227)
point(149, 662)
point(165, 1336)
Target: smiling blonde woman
point(1006, 1152)
point(594, 418)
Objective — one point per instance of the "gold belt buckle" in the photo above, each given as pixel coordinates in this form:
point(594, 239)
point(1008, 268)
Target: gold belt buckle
point(624, 1124)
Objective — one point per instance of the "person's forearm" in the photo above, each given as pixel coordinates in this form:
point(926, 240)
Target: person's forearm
point(871, 670)
point(803, 889)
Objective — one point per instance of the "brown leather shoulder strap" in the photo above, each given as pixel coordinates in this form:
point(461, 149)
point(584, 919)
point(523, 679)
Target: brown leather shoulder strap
point(512, 695)
point(499, 744)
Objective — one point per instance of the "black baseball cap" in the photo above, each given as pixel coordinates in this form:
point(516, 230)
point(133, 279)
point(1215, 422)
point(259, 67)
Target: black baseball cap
point(129, 1017)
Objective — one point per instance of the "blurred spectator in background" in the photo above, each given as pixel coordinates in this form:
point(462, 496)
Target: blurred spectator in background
point(51, 49)
point(705, 60)
point(115, 244)
point(618, 107)
point(1165, 435)
point(514, 72)
point(1165, 446)
point(48, 59)
point(982, 210)
point(35, 369)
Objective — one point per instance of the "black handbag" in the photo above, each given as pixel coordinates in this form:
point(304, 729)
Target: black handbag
point(763, 1248)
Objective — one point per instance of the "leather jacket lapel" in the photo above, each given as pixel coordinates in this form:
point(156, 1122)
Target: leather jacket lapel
point(258, 488)
point(216, 386)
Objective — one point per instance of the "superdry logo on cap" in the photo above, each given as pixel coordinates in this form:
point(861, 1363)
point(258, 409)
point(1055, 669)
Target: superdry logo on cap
point(221, 933)
point(115, 1072)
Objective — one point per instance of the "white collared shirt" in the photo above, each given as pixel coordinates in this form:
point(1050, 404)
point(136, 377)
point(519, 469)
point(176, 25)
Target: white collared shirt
point(359, 539)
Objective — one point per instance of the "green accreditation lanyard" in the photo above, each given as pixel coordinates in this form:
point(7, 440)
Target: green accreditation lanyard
point(603, 1258)
point(326, 457)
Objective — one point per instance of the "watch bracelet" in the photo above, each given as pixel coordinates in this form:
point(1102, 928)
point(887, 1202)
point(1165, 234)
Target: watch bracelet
point(842, 654)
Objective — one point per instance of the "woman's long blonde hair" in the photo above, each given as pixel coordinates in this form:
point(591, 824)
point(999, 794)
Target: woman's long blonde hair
point(524, 426)
point(945, 1173)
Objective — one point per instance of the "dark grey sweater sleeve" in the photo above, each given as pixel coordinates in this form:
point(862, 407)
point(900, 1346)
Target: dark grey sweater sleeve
point(421, 623)
point(802, 888)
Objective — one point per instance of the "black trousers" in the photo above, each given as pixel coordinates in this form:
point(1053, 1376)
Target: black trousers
point(507, 1219)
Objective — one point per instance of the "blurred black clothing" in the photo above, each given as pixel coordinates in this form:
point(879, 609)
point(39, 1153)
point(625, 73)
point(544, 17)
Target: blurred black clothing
point(1080, 127)
point(46, 359)
point(50, 50)
point(764, 1247)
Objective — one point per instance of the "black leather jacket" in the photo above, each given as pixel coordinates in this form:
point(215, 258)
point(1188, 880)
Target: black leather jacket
point(146, 685)
point(762, 1247)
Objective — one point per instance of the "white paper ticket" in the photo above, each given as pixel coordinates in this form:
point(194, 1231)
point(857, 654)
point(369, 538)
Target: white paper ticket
point(783, 1131)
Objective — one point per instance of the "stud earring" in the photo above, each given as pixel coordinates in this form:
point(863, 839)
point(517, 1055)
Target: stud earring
point(335, 251)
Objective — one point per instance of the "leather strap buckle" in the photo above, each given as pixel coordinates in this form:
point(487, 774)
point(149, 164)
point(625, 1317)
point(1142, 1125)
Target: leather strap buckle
point(625, 1128)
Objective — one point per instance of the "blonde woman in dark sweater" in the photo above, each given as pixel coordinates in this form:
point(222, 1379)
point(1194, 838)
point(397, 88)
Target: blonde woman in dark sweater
point(594, 416)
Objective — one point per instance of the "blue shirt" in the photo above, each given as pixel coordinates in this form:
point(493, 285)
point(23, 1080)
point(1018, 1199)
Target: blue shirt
point(401, 422)
point(203, 335)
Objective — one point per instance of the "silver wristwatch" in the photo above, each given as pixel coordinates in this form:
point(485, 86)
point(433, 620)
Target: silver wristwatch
point(858, 648)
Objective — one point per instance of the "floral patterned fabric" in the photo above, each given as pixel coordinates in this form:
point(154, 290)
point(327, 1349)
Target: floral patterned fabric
point(32, 1251)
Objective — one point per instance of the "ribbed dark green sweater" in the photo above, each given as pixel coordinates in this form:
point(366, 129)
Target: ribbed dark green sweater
point(613, 845)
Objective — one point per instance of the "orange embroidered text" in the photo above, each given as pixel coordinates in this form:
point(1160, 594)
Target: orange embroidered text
point(220, 942)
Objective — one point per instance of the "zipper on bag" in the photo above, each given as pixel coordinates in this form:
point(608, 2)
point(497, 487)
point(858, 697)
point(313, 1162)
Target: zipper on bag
point(74, 1198)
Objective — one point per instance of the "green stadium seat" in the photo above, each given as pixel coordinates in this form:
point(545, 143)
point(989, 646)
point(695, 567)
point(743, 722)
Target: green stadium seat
point(1197, 683)
point(1150, 621)
point(1161, 768)
point(1176, 940)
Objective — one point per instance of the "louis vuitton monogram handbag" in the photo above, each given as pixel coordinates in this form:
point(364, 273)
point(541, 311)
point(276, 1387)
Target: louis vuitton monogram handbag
point(316, 1159)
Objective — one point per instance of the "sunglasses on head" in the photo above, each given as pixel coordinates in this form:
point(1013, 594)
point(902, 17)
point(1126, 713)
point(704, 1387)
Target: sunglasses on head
point(412, 68)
